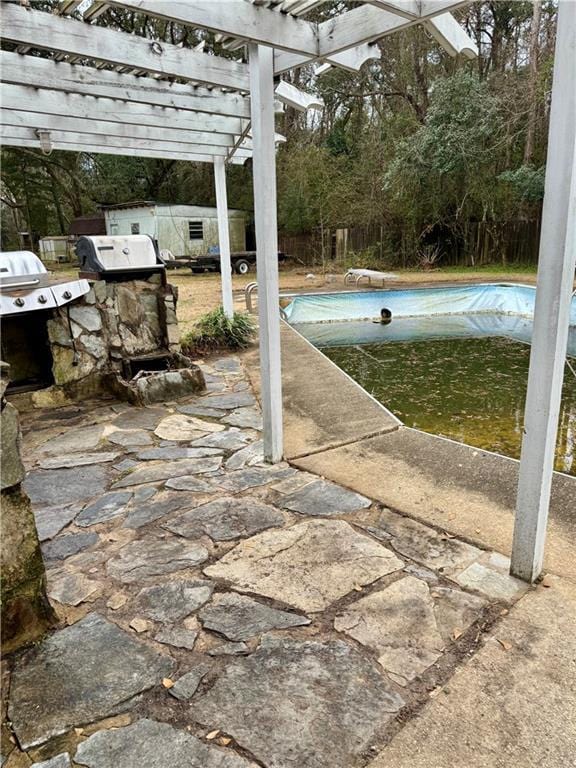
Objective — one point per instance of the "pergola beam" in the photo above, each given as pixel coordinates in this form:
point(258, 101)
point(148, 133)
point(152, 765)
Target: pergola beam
point(129, 150)
point(235, 18)
point(86, 139)
point(368, 23)
point(39, 101)
point(45, 31)
point(79, 79)
point(58, 123)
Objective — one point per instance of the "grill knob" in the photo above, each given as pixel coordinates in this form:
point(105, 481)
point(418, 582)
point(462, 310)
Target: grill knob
point(42, 299)
point(125, 251)
point(67, 295)
point(19, 302)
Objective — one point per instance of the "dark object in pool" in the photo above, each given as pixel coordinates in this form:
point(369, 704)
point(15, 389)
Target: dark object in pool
point(385, 316)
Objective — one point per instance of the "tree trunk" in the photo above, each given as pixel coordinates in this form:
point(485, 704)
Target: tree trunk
point(533, 106)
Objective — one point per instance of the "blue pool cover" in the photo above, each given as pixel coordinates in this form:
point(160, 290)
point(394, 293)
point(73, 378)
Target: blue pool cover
point(419, 313)
point(414, 302)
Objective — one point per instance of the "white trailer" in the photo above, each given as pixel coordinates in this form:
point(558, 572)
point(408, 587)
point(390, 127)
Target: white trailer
point(185, 230)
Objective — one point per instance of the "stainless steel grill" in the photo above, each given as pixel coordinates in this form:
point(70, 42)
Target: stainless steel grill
point(104, 257)
point(26, 285)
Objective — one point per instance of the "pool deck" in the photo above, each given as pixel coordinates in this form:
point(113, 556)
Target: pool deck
point(335, 429)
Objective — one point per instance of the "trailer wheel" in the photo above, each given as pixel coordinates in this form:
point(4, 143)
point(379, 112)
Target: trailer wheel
point(242, 267)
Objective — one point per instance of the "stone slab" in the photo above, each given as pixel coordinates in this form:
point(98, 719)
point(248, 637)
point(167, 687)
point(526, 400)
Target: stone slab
point(59, 761)
point(67, 545)
point(66, 486)
point(312, 704)
point(51, 520)
point(323, 498)
point(230, 440)
point(251, 453)
point(144, 512)
point(177, 637)
point(130, 438)
point(150, 744)
point(154, 471)
point(139, 418)
point(78, 675)
point(72, 588)
point(398, 623)
point(171, 452)
point(187, 685)
point(307, 566)
point(151, 557)
point(193, 483)
point(185, 428)
point(77, 460)
point(229, 649)
point(244, 417)
point(225, 519)
point(252, 477)
point(74, 439)
point(201, 410)
point(229, 401)
point(238, 617)
point(105, 508)
point(491, 582)
point(424, 544)
point(174, 600)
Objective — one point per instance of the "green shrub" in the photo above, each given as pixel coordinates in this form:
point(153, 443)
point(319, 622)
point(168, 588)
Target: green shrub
point(214, 331)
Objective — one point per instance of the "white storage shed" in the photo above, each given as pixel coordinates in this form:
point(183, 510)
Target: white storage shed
point(186, 230)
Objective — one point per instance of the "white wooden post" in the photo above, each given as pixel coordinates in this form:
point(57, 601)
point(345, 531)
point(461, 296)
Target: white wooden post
point(264, 175)
point(223, 235)
point(551, 316)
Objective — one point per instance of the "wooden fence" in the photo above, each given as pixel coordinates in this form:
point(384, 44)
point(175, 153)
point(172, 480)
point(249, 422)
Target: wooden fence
point(511, 242)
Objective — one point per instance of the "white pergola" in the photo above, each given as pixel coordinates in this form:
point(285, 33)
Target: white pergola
point(95, 89)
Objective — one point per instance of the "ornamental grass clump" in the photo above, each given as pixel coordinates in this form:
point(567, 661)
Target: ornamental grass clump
point(215, 331)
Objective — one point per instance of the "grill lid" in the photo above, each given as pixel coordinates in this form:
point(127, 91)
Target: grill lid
point(27, 286)
point(129, 253)
point(18, 263)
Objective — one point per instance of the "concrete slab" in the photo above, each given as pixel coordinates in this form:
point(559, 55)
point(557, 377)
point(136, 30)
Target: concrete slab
point(323, 407)
point(464, 490)
point(505, 707)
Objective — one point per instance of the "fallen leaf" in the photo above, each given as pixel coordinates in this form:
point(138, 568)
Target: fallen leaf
point(167, 683)
point(477, 530)
point(78, 731)
point(547, 581)
point(456, 633)
point(224, 741)
point(504, 611)
point(357, 588)
point(212, 735)
point(505, 644)
point(434, 594)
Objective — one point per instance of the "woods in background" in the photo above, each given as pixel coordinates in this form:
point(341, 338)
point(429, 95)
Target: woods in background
point(424, 158)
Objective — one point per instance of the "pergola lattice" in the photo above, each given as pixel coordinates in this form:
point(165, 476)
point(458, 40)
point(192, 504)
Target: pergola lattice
point(95, 89)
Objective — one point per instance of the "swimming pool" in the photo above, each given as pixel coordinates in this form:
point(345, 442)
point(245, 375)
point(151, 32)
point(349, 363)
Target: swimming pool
point(453, 361)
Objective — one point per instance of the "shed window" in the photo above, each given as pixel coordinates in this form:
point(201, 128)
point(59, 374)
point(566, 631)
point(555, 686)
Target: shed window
point(196, 230)
point(135, 229)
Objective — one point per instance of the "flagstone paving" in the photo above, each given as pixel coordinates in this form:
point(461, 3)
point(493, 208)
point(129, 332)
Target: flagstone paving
point(221, 613)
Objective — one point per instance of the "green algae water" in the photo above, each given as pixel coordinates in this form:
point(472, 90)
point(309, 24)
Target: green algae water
point(468, 389)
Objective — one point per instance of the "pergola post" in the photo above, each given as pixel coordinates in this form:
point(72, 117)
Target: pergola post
point(557, 261)
point(223, 235)
point(264, 176)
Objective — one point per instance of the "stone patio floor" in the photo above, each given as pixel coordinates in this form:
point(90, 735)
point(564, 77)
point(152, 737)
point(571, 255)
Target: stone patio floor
point(216, 612)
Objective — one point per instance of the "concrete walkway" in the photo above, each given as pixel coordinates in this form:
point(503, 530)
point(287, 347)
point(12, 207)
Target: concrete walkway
point(216, 612)
point(467, 491)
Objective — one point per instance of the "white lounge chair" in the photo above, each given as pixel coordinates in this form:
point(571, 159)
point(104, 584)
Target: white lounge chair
point(370, 274)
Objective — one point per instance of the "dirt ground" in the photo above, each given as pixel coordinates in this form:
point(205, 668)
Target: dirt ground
point(199, 294)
